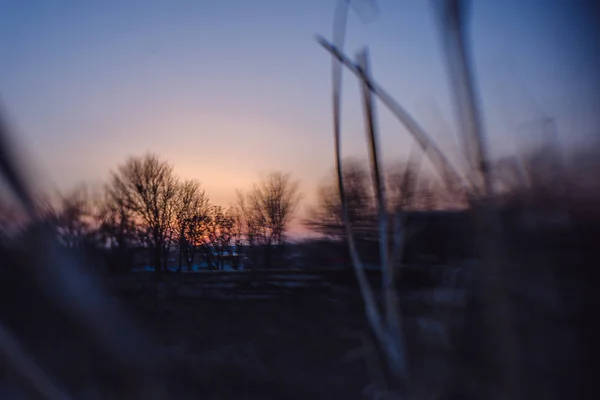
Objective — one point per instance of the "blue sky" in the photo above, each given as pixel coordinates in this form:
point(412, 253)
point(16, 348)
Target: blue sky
point(231, 89)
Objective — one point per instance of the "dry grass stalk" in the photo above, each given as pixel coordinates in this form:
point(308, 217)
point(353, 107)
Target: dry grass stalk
point(392, 314)
point(57, 275)
point(452, 21)
point(450, 176)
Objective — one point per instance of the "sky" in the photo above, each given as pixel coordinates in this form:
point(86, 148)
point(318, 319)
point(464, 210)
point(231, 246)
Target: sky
point(230, 90)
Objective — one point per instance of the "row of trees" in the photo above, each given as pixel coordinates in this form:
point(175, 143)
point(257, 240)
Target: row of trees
point(146, 206)
point(540, 172)
point(407, 190)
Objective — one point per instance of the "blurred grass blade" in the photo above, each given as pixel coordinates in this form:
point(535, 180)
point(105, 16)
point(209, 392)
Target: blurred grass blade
point(371, 309)
point(453, 180)
point(10, 169)
point(14, 357)
point(452, 15)
point(392, 314)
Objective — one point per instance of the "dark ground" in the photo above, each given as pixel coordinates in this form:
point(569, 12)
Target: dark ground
point(288, 335)
point(298, 343)
point(293, 349)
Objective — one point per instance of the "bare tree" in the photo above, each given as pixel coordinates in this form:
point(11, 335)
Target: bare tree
point(117, 222)
point(326, 217)
point(266, 211)
point(73, 218)
point(412, 190)
point(118, 230)
point(195, 235)
point(190, 220)
point(246, 224)
point(408, 189)
point(220, 234)
point(149, 189)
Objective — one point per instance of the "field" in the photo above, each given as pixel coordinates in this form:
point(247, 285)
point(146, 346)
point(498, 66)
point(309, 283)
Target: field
point(285, 334)
point(266, 335)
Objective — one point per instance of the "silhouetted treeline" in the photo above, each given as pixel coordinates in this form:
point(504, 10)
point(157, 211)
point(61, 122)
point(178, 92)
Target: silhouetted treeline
point(543, 194)
point(145, 214)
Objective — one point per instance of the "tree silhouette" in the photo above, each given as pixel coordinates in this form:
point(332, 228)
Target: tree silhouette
point(326, 216)
point(73, 218)
point(149, 189)
point(265, 212)
point(190, 217)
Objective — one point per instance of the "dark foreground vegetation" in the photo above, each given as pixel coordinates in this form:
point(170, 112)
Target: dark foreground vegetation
point(301, 333)
point(275, 334)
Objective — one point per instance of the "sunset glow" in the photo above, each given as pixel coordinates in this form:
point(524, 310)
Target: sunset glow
point(235, 89)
